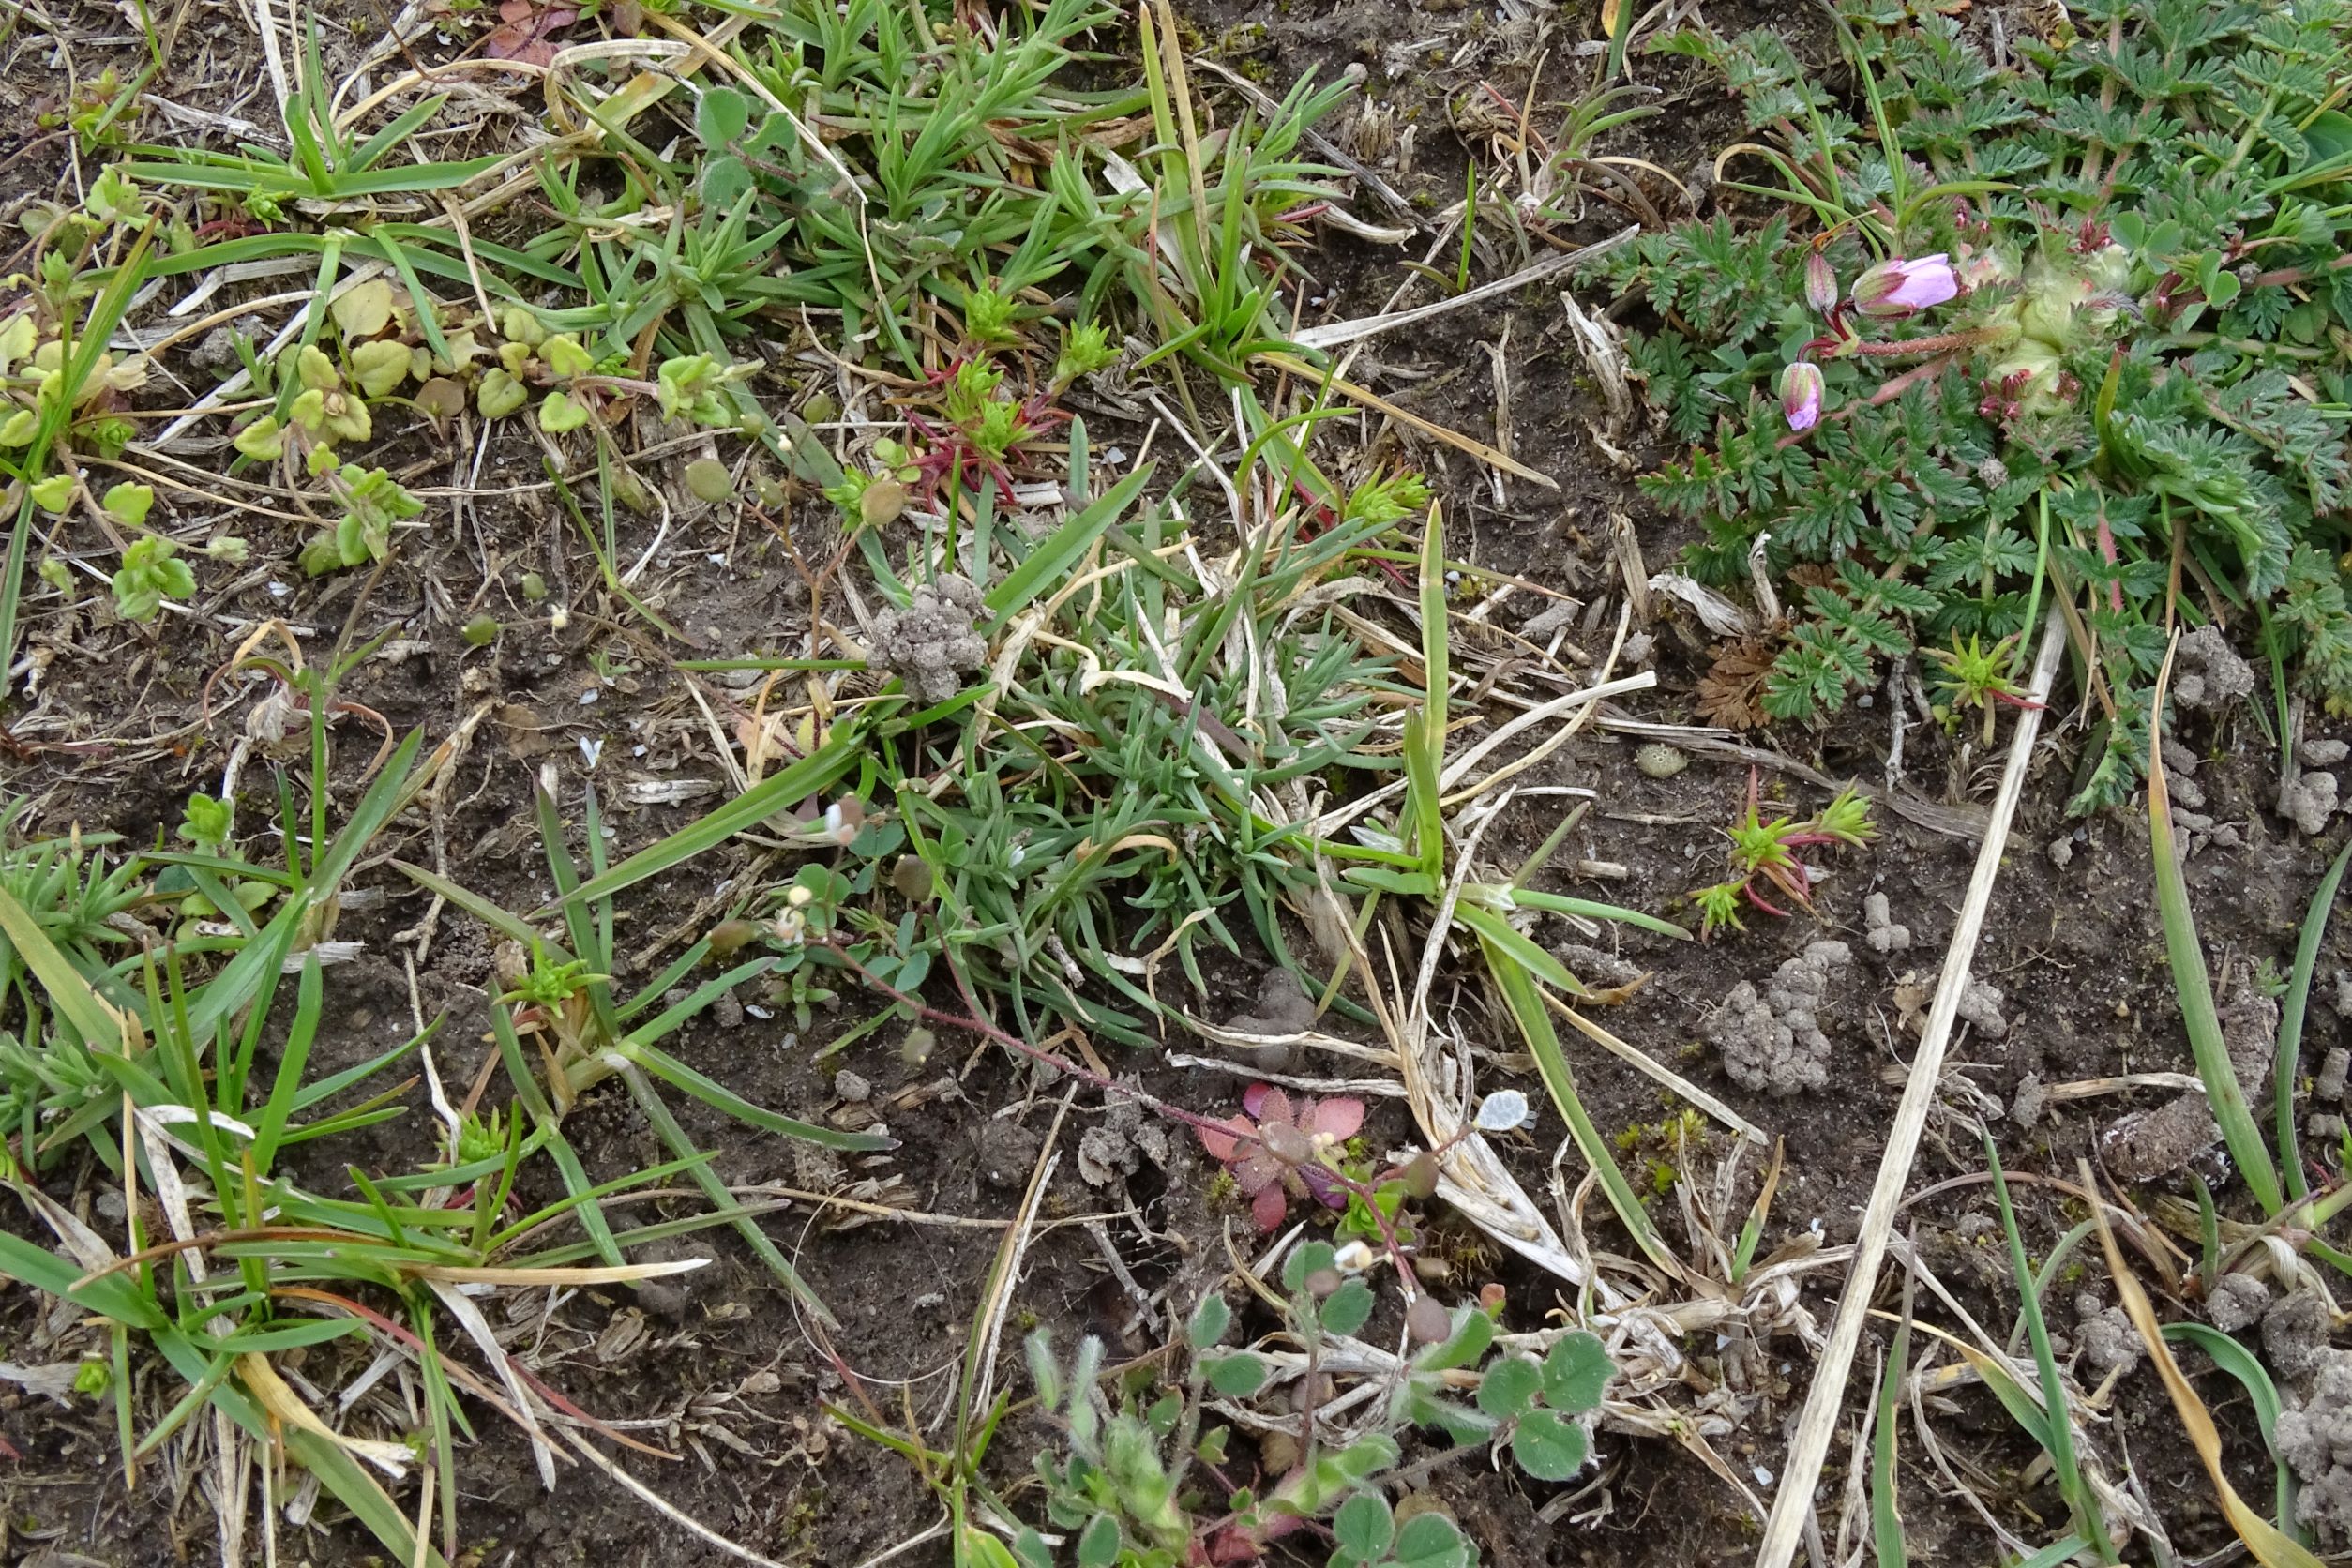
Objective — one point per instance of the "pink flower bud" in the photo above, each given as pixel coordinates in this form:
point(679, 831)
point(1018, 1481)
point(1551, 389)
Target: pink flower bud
point(1820, 283)
point(1801, 395)
point(1897, 287)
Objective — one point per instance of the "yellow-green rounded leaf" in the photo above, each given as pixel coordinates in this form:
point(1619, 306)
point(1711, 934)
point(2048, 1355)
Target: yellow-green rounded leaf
point(17, 339)
point(262, 440)
point(315, 370)
point(564, 356)
point(500, 395)
point(130, 502)
point(558, 414)
point(55, 494)
point(362, 310)
point(20, 429)
point(380, 367)
point(518, 325)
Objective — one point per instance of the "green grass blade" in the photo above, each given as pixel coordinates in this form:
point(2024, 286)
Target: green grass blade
point(2291, 1015)
point(1520, 994)
point(100, 1026)
point(473, 904)
point(1052, 560)
point(2058, 1433)
point(1497, 933)
point(2195, 990)
point(1561, 904)
point(2243, 1365)
point(719, 1097)
point(1886, 1515)
point(666, 1127)
point(778, 792)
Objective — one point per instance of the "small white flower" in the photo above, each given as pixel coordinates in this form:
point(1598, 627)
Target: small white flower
point(1503, 1111)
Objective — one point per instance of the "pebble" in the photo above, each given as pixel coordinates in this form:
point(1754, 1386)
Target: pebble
point(2329, 1084)
point(1660, 762)
point(2326, 1126)
point(852, 1087)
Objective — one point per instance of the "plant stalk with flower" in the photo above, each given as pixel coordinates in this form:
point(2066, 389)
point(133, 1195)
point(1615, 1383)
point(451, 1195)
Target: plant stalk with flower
point(2089, 340)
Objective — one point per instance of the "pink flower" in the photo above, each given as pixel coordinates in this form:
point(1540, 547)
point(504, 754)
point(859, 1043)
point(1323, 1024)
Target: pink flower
point(1820, 283)
point(1896, 287)
point(1801, 395)
point(1275, 1151)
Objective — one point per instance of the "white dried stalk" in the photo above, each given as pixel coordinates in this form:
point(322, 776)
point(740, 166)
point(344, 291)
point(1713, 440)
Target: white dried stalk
point(1792, 1507)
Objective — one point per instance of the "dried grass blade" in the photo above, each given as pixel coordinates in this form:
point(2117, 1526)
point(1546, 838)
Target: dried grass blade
point(1792, 1505)
point(2271, 1546)
point(1372, 399)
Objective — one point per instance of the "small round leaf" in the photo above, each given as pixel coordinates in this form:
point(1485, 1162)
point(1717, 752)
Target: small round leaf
point(1098, 1543)
point(1311, 1258)
point(1210, 1319)
point(719, 116)
point(558, 414)
point(1508, 1389)
point(1347, 1308)
point(1364, 1526)
point(1431, 1541)
point(1576, 1373)
point(1547, 1447)
point(1237, 1377)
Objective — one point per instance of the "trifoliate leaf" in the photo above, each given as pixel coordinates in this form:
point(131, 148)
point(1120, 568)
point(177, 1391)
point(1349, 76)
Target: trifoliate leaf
point(1576, 1373)
point(1509, 1386)
point(1431, 1541)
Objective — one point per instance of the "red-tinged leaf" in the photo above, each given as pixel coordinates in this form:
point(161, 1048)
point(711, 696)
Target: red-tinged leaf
point(1337, 1117)
point(1268, 1207)
point(1268, 1104)
point(525, 32)
point(1258, 1170)
point(1223, 1147)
